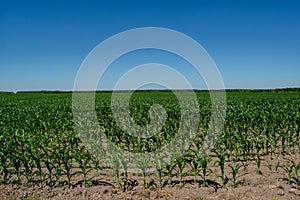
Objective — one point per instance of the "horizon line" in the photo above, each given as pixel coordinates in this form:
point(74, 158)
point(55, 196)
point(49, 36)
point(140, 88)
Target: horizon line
point(153, 90)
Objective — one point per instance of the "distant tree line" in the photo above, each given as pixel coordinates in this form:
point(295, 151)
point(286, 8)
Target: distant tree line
point(109, 91)
point(265, 90)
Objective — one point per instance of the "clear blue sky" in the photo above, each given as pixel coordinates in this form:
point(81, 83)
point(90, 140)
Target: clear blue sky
point(255, 44)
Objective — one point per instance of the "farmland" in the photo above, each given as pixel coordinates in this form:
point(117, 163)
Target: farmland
point(40, 145)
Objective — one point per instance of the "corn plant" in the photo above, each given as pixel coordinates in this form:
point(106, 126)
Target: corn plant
point(204, 161)
point(158, 164)
point(142, 165)
point(221, 162)
point(288, 170)
point(181, 163)
point(235, 173)
point(194, 161)
point(296, 168)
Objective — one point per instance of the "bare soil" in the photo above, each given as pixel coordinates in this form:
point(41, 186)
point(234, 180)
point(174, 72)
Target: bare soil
point(271, 184)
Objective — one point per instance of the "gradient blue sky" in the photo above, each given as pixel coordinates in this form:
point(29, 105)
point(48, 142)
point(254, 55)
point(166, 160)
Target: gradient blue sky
point(255, 44)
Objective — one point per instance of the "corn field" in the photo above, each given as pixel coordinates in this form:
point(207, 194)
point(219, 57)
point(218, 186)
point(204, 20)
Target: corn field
point(39, 144)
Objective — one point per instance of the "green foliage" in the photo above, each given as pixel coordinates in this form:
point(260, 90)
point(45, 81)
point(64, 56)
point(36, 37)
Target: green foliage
point(39, 143)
